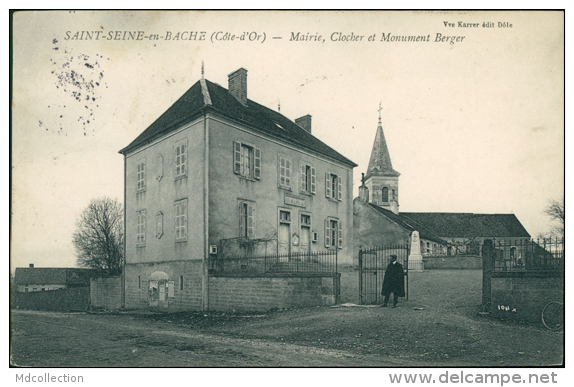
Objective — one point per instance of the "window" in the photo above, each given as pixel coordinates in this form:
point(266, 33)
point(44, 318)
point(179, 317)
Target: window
point(285, 216)
point(246, 219)
point(308, 179)
point(140, 234)
point(333, 186)
point(139, 282)
point(180, 282)
point(141, 177)
point(181, 220)
point(333, 233)
point(305, 220)
point(159, 225)
point(181, 159)
point(284, 172)
point(393, 196)
point(246, 160)
point(385, 194)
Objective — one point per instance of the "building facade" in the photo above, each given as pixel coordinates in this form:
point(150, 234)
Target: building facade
point(220, 176)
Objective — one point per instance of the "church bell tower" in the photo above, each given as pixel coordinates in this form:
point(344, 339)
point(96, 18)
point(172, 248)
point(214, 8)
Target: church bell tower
point(381, 179)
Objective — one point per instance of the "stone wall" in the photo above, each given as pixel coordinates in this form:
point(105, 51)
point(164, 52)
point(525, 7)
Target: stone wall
point(522, 296)
point(452, 262)
point(106, 293)
point(261, 294)
point(64, 300)
point(186, 277)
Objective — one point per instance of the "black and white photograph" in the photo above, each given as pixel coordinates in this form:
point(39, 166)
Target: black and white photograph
point(319, 189)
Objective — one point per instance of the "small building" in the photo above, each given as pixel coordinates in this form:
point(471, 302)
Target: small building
point(37, 279)
point(219, 176)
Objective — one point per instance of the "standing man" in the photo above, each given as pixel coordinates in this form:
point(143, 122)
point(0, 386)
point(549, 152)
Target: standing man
point(393, 282)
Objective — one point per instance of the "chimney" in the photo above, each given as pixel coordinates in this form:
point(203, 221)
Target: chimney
point(31, 265)
point(304, 122)
point(238, 85)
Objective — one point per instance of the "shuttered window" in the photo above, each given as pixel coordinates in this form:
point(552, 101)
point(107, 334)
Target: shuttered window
point(246, 219)
point(308, 179)
point(284, 172)
point(141, 177)
point(333, 186)
point(180, 209)
point(333, 233)
point(181, 159)
point(141, 226)
point(246, 160)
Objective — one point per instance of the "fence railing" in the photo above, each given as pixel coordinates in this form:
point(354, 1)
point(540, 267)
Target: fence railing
point(319, 262)
point(544, 254)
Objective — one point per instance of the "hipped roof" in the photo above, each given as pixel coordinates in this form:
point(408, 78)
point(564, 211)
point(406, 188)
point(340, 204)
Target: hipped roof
point(206, 96)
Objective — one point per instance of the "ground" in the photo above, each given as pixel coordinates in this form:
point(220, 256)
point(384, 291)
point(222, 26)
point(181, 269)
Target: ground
point(438, 326)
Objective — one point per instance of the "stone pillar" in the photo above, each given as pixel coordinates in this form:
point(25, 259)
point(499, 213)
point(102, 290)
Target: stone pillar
point(415, 257)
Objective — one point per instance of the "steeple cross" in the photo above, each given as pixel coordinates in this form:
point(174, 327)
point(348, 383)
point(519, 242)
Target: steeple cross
point(380, 109)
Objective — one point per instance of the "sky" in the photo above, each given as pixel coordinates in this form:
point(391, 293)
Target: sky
point(473, 126)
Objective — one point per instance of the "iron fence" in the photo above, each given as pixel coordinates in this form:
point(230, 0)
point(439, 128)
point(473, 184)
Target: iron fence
point(317, 262)
point(515, 255)
point(373, 262)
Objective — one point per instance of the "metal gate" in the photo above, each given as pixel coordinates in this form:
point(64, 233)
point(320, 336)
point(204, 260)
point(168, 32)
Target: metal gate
point(372, 265)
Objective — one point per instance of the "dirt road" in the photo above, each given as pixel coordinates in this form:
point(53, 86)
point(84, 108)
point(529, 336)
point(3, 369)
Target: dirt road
point(443, 331)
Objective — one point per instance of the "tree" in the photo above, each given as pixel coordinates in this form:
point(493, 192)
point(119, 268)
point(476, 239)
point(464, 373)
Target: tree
point(99, 236)
point(555, 210)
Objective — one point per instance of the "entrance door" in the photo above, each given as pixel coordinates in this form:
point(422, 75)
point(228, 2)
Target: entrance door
point(284, 240)
point(305, 240)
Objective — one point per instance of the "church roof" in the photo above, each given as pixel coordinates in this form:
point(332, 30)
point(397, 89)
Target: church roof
point(380, 162)
point(208, 96)
point(408, 224)
point(469, 225)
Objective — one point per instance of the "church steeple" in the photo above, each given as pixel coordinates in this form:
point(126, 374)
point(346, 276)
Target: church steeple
point(381, 179)
point(380, 162)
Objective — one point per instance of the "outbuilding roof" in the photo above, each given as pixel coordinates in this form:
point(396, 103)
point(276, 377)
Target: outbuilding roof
point(206, 96)
point(53, 276)
point(469, 225)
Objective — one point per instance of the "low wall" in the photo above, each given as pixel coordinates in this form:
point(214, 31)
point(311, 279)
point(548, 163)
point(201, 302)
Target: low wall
point(521, 296)
point(453, 262)
point(106, 293)
point(63, 300)
point(247, 294)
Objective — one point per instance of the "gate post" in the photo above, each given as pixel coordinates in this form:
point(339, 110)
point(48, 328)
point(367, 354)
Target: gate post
point(487, 266)
point(361, 302)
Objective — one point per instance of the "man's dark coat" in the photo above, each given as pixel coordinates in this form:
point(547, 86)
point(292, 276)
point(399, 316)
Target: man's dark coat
point(394, 280)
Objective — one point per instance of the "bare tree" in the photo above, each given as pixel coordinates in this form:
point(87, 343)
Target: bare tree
point(555, 210)
point(99, 236)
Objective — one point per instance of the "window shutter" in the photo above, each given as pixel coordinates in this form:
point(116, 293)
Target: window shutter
point(236, 157)
point(340, 224)
point(313, 180)
point(303, 177)
point(288, 172)
point(328, 184)
point(184, 214)
point(327, 233)
point(242, 224)
point(257, 163)
point(170, 289)
point(339, 187)
point(183, 158)
point(250, 220)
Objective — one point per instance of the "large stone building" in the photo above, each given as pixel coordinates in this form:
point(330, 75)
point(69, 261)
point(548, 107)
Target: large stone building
point(378, 221)
point(219, 175)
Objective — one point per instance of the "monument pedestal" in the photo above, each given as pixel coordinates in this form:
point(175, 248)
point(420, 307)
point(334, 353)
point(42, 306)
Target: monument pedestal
point(415, 257)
